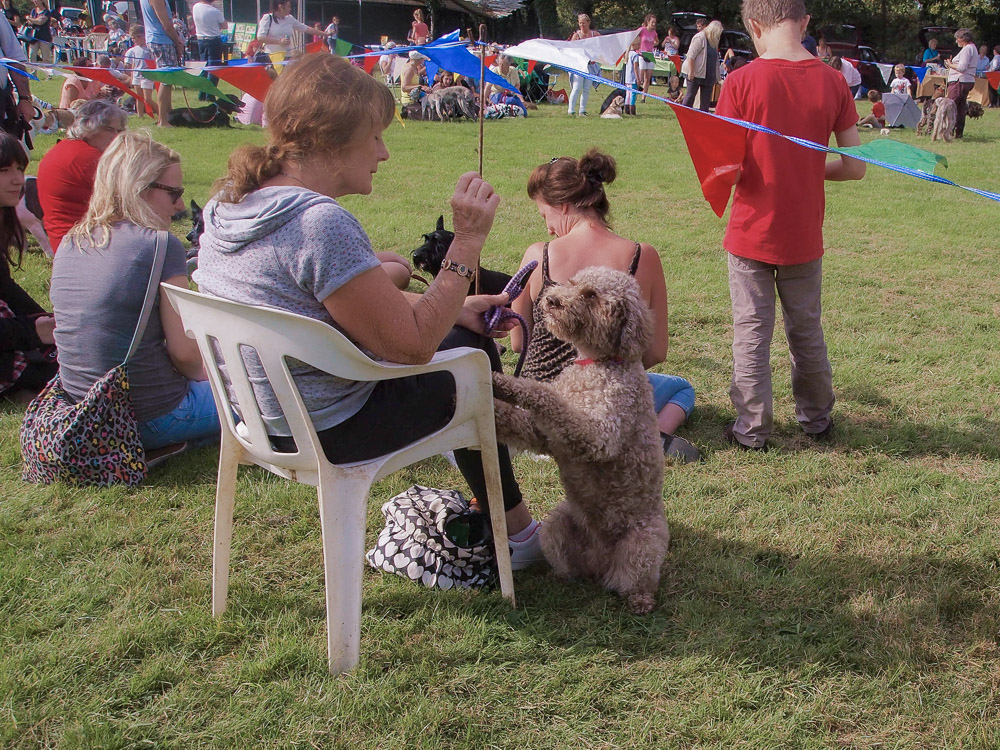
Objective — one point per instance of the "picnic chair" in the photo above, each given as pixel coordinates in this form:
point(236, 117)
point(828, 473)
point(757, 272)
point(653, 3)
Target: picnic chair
point(278, 336)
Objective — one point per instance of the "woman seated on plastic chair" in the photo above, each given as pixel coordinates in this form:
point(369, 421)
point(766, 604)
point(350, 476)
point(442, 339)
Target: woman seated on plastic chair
point(99, 282)
point(276, 236)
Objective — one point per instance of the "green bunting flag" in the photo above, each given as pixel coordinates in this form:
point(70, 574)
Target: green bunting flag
point(183, 79)
point(900, 154)
point(343, 48)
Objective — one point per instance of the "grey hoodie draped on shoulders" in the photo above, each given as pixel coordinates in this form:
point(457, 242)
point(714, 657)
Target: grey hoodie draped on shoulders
point(287, 248)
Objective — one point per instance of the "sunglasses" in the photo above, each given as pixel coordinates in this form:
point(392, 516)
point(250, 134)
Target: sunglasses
point(175, 192)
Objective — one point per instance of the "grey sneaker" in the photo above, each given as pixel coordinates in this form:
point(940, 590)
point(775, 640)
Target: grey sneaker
point(527, 553)
point(680, 449)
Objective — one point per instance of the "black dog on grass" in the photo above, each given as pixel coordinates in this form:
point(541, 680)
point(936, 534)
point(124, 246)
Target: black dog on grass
point(428, 258)
point(214, 115)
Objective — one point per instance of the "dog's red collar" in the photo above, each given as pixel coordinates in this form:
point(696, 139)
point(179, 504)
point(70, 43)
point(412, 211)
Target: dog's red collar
point(585, 362)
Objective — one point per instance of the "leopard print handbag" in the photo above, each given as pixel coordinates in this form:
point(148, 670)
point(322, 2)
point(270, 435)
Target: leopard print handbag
point(96, 442)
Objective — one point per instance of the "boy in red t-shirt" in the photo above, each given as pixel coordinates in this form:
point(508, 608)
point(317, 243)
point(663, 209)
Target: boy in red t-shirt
point(877, 118)
point(775, 232)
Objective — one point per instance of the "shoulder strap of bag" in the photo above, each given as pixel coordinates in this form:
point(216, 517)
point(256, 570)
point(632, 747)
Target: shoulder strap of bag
point(159, 256)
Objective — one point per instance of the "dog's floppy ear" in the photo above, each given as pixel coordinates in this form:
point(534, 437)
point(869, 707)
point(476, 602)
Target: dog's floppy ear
point(636, 321)
point(440, 224)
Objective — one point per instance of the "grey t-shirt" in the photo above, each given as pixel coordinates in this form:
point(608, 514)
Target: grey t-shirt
point(288, 248)
point(97, 295)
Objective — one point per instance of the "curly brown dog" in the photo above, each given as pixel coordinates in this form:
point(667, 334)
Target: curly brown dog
point(597, 421)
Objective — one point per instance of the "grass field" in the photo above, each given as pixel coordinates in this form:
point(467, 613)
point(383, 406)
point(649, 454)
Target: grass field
point(814, 597)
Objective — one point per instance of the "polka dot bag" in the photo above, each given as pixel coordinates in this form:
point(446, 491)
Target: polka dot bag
point(432, 537)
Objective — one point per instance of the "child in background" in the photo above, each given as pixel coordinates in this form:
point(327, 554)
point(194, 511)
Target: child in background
point(775, 232)
point(900, 84)
point(877, 118)
point(632, 75)
point(674, 91)
point(135, 60)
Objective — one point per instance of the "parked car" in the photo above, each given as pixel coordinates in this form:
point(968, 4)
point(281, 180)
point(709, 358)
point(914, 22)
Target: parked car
point(732, 39)
point(739, 42)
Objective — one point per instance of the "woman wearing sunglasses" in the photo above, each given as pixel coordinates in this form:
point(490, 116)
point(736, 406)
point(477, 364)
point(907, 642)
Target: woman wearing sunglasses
point(99, 282)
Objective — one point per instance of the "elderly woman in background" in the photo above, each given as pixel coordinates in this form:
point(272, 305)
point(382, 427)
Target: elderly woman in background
point(702, 65)
point(276, 235)
point(99, 282)
point(66, 172)
point(76, 87)
point(962, 76)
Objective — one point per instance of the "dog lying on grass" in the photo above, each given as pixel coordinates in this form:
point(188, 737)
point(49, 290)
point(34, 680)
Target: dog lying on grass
point(597, 421)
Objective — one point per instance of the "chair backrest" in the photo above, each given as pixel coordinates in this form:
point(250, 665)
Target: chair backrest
point(95, 42)
point(276, 336)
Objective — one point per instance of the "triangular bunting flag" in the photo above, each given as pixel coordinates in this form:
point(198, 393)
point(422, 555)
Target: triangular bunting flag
point(717, 148)
point(431, 68)
point(886, 71)
point(343, 48)
point(369, 63)
point(919, 73)
point(994, 79)
point(103, 75)
point(252, 79)
point(184, 80)
point(901, 154)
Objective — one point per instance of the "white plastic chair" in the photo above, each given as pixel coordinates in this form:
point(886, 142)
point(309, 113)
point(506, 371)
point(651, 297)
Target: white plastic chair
point(343, 489)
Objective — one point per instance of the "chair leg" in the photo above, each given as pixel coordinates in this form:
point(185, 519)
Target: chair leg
point(494, 491)
point(343, 506)
point(230, 453)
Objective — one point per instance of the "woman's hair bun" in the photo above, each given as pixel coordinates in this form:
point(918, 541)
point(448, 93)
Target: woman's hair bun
point(598, 167)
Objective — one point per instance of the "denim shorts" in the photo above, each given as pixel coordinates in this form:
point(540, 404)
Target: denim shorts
point(671, 389)
point(195, 418)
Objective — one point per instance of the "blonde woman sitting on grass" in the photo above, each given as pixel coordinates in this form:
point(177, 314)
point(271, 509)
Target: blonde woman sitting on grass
point(99, 282)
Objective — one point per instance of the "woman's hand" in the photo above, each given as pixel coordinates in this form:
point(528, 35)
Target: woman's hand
point(44, 326)
point(471, 316)
point(473, 205)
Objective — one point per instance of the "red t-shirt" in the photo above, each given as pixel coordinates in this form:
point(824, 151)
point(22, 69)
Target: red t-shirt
point(878, 109)
point(65, 182)
point(777, 213)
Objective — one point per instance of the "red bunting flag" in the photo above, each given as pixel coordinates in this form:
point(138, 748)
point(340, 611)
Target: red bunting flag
point(103, 75)
point(370, 62)
point(490, 59)
point(676, 60)
point(318, 46)
point(717, 148)
point(994, 78)
point(253, 79)
point(531, 66)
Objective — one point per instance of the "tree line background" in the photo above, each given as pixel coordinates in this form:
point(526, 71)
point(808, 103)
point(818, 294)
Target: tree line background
point(890, 26)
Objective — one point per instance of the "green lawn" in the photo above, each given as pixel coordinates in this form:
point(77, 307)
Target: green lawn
point(840, 596)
